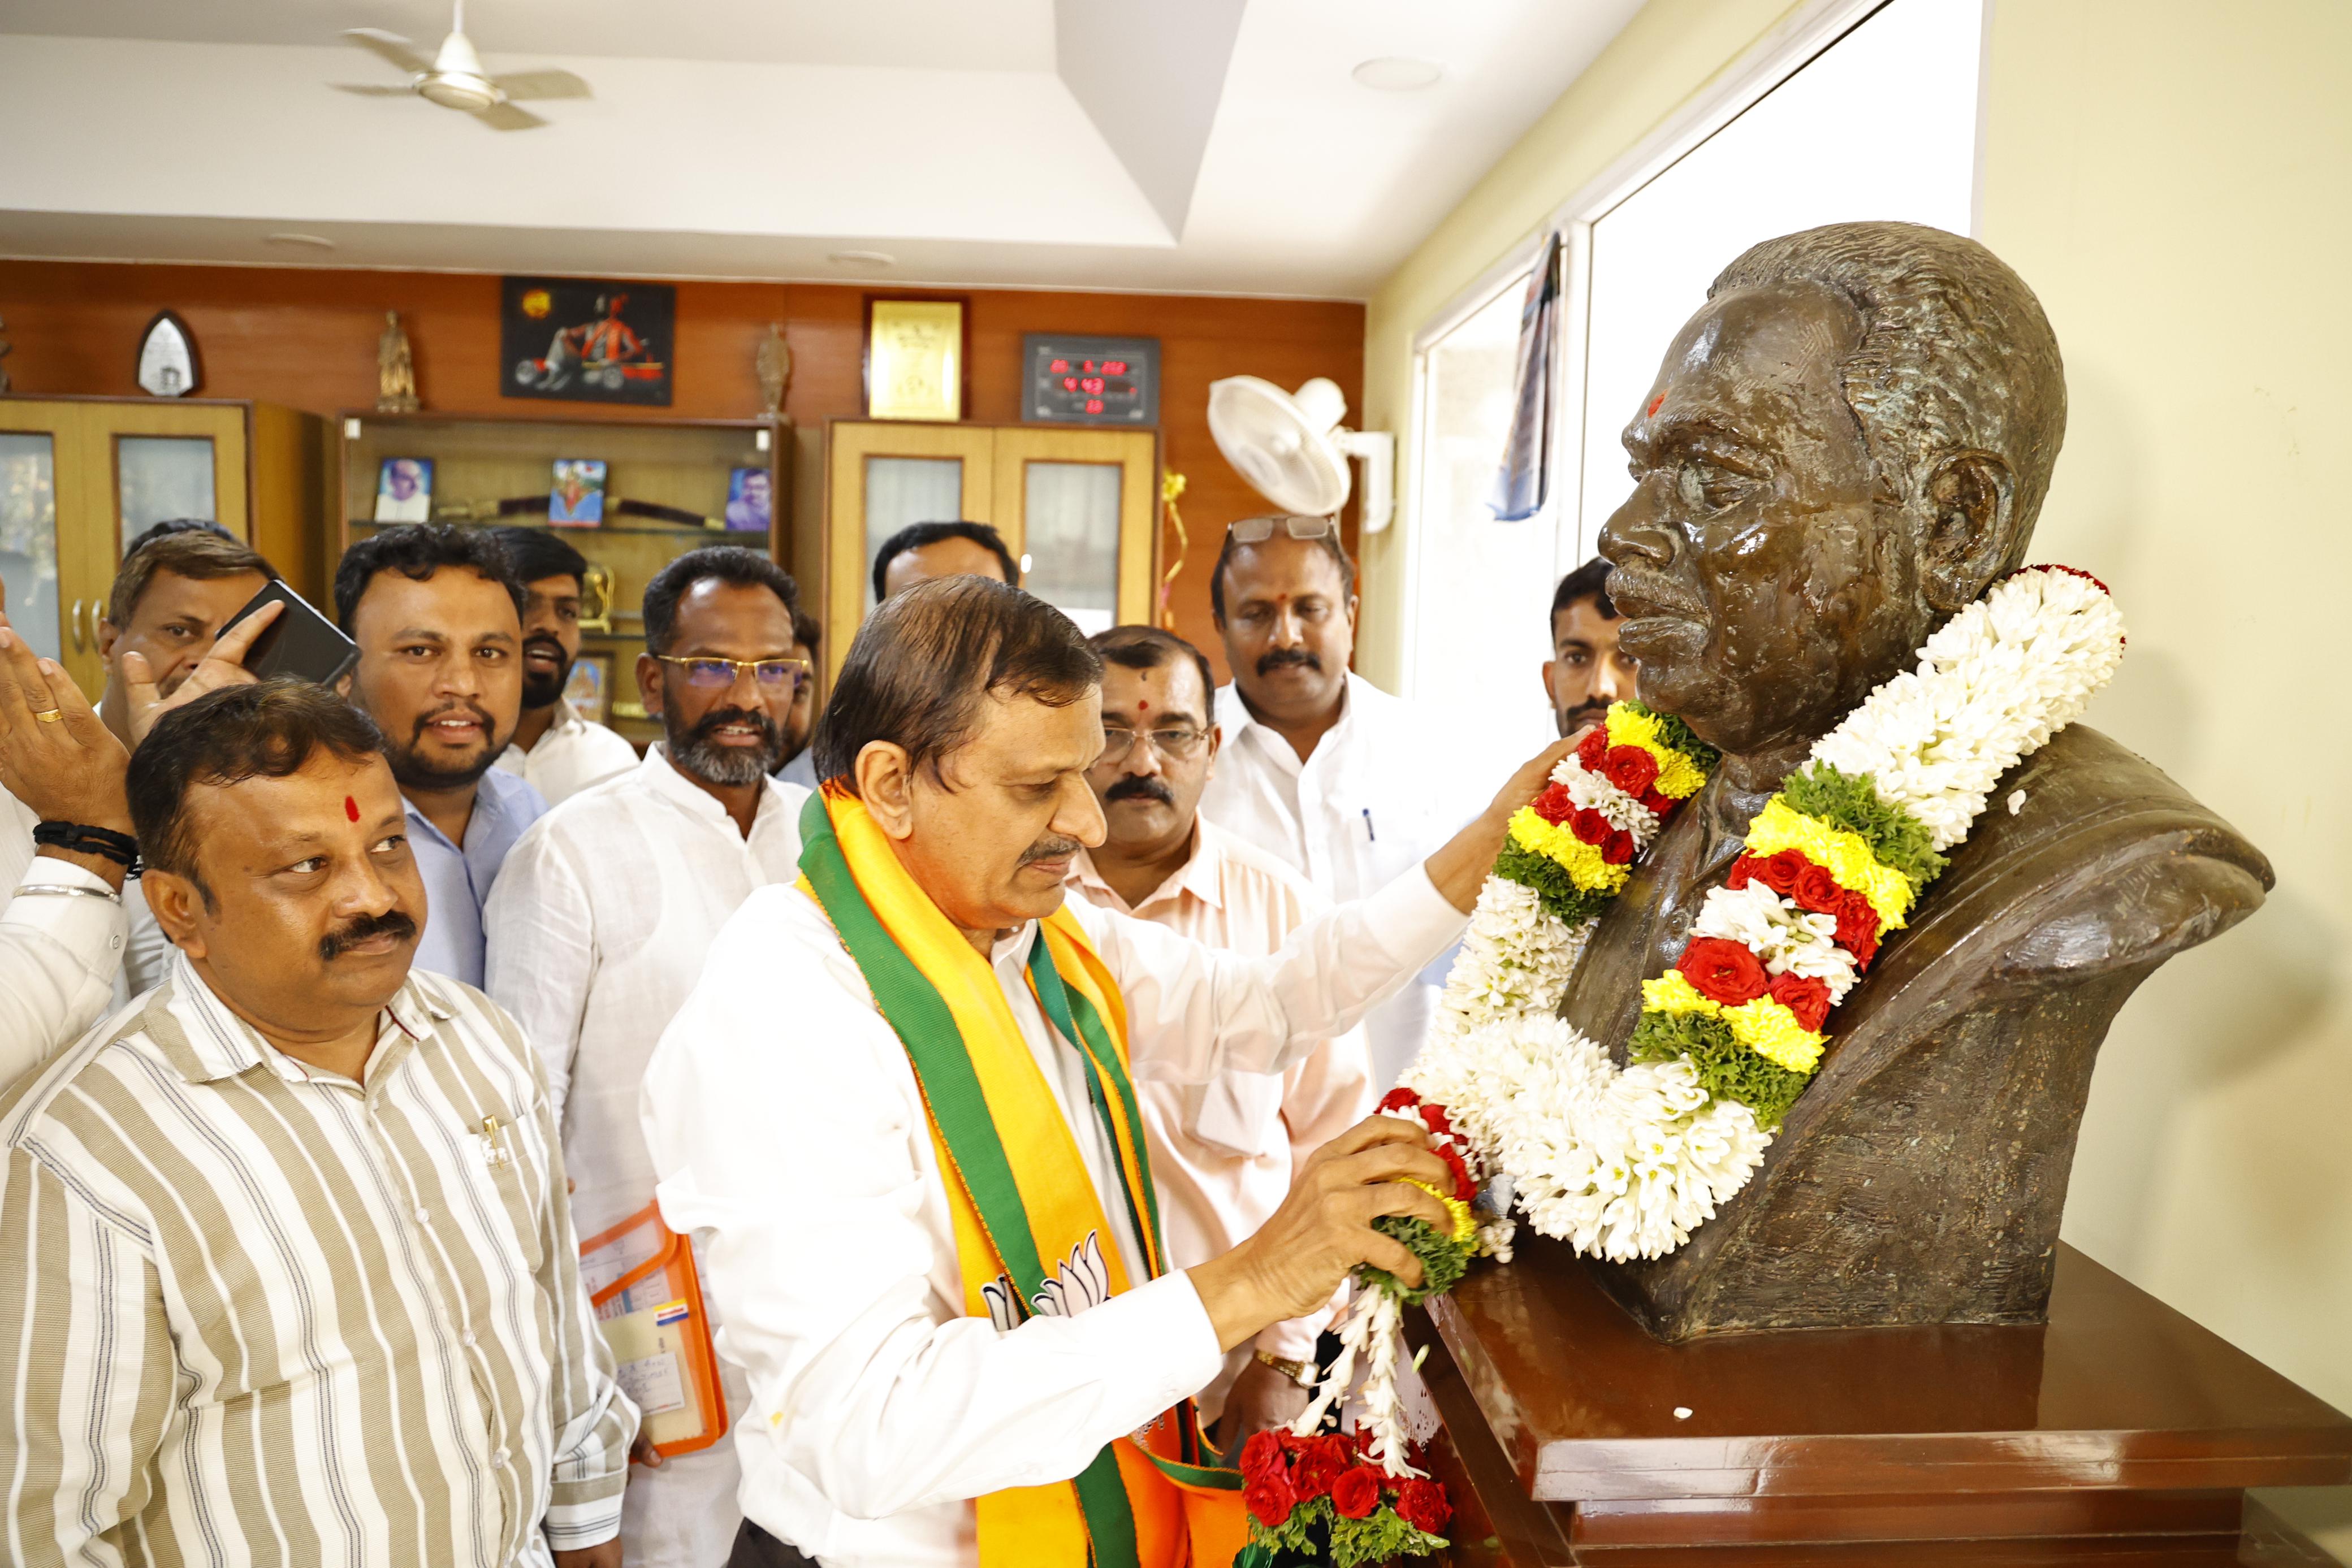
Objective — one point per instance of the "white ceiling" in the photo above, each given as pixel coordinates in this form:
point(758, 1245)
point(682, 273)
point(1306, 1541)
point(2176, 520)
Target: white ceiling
point(1216, 145)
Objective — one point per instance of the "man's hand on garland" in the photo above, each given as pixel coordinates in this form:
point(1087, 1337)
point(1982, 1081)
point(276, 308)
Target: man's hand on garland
point(1459, 867)
point(1324, 1229)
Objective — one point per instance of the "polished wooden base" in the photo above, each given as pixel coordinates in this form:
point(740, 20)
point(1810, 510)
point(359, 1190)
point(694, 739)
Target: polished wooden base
point(2119, 1432)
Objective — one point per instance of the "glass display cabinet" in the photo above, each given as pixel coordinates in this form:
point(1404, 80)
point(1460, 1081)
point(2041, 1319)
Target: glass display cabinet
point(81, 476)
point(629, 495)
point(1079, 507)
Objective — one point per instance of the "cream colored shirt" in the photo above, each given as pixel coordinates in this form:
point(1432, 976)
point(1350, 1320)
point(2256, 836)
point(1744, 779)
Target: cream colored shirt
point(1223, 1153)
point(574, 754)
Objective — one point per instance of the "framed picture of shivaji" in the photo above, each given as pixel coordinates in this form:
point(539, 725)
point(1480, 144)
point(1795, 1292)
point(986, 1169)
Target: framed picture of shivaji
point(576, 341)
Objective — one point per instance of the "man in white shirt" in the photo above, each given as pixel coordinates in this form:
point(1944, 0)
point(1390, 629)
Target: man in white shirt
point(558, 752)
point(438, 614)
point(1221, 1153)
point(1342, 782)
point(896, 1403)
point(1587, 670)
point(606, 910)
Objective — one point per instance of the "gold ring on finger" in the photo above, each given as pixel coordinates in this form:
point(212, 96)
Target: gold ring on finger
point(49, 716)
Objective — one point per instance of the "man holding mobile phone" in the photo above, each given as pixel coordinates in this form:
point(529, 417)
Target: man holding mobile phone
point(438, 614)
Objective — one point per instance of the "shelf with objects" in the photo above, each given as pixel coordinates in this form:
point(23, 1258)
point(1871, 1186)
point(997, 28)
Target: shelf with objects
point(629, 495)
point(80, 478)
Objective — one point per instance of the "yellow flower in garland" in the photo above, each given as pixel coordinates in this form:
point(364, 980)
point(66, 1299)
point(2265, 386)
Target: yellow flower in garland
point(1466, 1224)
point(1585, 865)
point(1764, 1026)
point(1846, 856)
point(1678, 776)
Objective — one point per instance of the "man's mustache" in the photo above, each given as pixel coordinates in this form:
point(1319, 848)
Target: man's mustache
point(1140, 786)
point(711, 721)
point(391, 923)
point(1582, 714)
point(475, 710)
point(1054, 849)
point(1283, 657)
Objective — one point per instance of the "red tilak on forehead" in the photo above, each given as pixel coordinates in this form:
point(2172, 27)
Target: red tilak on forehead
point(1655, 403)
point(1143, 706)
point(351, 808)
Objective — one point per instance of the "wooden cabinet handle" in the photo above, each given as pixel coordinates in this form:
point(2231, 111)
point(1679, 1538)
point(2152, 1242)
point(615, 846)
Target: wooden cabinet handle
point(73, 620)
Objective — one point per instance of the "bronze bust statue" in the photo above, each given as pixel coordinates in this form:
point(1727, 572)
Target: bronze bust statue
point(1848, 443)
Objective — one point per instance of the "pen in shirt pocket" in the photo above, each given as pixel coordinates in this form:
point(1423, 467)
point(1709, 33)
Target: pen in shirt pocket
point(1370, 836)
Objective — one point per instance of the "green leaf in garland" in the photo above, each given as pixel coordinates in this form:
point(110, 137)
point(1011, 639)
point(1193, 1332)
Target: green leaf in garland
point(1549, 882)
point(1851, 801)
point(1674, 732)
point(1378, 1537)
point(1443, 1261)
point(1726, 1068)
point(1302, 1534)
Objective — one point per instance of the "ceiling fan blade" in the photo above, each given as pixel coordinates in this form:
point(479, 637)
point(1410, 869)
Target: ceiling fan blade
point(374, 91)
point(506, 117)
point(527, 85)
point(389, 47)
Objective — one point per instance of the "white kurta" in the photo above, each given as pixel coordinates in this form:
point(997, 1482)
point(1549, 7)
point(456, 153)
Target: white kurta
point(1384, 788)
point(789, 1134)
point(1222, 1153)
point(60, 948)
point(597, 930)
point(574, 755)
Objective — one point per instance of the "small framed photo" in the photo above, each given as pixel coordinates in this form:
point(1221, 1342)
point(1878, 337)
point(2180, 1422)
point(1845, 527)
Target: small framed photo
point(750, 505)
point(917, 358)
point(404, 490)
point(589, 687)
point(578, 499)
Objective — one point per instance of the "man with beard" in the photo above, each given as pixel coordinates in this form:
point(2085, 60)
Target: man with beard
point(293, 1274)
point(554, 750)
point(438, 614)
point(1586, 671)
point(1222, 1153)
point(606, 911)
point(1345, 784)
point(800, 729)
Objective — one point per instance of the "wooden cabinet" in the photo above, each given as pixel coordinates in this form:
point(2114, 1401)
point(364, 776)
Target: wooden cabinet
point(1078, 505)
point(79, 477)
point(668, 485)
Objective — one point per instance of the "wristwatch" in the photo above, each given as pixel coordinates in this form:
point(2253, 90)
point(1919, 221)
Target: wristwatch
point(1298, 1372)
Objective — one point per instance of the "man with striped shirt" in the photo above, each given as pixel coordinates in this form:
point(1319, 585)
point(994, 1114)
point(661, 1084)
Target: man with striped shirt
point(292, 1277)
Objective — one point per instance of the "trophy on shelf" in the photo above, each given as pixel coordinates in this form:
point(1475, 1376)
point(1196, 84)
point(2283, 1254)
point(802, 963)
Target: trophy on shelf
point(596, 597)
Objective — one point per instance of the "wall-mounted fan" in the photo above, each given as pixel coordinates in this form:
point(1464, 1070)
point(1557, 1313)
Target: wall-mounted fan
point(454, 77)
point(1294, 451)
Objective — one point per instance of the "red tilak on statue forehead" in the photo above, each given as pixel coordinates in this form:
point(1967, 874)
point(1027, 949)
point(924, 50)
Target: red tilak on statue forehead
point(1655, 403)
point(351, 808)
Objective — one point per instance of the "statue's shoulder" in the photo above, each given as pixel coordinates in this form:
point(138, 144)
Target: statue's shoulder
point(2089, 858)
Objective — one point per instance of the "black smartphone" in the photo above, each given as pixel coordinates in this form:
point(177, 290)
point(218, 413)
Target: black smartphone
point(300, 642)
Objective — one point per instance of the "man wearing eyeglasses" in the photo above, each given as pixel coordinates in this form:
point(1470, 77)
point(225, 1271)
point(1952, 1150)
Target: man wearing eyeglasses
point(606, 910)
point(1342, 782)
point(1222, 1153)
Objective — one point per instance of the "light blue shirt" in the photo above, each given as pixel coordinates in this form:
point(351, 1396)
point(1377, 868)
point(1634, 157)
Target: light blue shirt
point(457, 878)
point(801, 770)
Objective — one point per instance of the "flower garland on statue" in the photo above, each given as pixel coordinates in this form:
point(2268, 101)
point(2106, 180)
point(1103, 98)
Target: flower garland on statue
point(1627, 1162)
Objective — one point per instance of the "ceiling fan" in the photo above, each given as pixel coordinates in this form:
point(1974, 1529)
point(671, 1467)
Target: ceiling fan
point(454, 77)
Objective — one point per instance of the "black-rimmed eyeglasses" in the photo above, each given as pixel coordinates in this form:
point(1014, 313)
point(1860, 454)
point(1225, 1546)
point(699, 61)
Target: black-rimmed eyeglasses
point(1257, 530)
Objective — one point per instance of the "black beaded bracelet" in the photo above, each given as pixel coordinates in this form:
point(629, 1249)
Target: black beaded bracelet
point(84, 840)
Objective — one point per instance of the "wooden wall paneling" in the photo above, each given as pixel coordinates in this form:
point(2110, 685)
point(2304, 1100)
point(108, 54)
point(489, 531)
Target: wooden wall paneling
point(306, 337)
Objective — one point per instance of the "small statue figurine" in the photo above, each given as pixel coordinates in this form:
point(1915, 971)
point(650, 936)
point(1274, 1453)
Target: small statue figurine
point(775, 365)
point(396, 369)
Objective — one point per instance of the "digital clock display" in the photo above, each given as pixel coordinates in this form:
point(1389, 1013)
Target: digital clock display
point(1091, 381)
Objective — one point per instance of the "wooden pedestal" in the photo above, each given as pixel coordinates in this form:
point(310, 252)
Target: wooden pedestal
point(2120, 1432)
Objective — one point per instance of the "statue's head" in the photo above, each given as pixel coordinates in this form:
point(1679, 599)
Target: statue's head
point(1846, 444)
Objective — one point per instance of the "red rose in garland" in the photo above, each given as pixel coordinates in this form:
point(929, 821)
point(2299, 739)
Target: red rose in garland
point(1617, 849)
point(1593, 748)
point(1724, 971)
point(1433, 1116)
point(1357, 1493)
point(1818, 891)
point(1318, 1470)
point(1398, 1100)
point(1589, 825)
point(1802, 995)
point(1269, 1499)
point(1463, 1187)
point(1261, 1456)
point(1629, 767)
point(1779, 872)
point(1857, 930)
point(1657, 805)
point(1423, 1505)
point(1554, 804)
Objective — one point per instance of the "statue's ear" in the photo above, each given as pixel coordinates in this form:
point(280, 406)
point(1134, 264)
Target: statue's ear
point(1970, 495)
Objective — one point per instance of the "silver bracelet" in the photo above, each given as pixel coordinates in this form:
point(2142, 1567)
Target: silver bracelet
point(35, 889)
